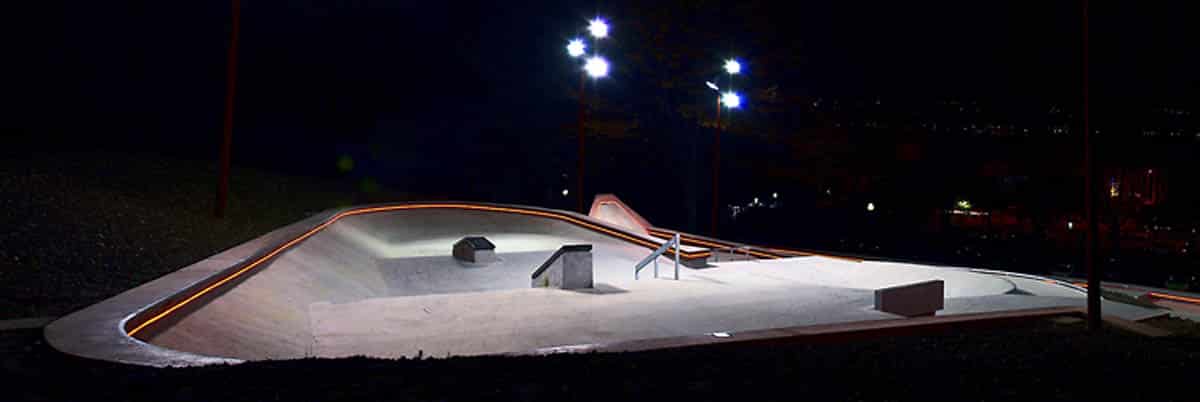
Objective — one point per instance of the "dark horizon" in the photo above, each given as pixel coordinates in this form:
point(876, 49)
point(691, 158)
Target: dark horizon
point(330, 71)
point(424, 97)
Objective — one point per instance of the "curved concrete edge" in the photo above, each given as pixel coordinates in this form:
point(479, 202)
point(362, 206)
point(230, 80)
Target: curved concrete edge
point(1065, 284)
point(100, 332)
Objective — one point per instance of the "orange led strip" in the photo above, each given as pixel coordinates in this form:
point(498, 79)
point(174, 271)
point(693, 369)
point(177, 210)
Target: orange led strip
point(335, 218)
point(661, 233)
point(1174, 297)
point(1160, 295)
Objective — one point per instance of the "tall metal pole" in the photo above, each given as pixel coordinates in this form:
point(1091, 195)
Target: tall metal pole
point(227, 137)
point(716, 167)
point(1091, 191)
point(579, 163)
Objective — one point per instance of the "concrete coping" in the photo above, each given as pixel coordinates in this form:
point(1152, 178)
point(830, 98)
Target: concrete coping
point(477, 243)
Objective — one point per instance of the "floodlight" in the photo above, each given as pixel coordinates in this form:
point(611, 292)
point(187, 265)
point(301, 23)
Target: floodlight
point(596, 67)
point(731, 100)
point(732, 66)
point(576, 47)
point(598, 28)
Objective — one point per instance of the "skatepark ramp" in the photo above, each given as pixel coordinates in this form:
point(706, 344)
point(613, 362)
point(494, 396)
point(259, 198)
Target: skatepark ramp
point(391, 252)
point(382, 281)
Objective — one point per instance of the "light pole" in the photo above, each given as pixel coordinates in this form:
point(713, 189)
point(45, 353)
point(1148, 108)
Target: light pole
point(731, 100)
point(1091, 191)
point(595, 67)
point(227, 129)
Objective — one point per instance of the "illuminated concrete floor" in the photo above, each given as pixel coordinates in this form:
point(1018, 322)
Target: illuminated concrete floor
point(385, 285)
point(737, 296)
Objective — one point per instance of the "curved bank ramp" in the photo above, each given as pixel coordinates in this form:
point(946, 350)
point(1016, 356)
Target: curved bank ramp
point(379, 280)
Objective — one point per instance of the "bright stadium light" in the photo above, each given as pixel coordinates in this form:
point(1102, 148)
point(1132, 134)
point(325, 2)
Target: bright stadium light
point(732, 66)
point(596, 67)
point(598, 28)
point(576, 47)
point(731, 100)
point(711, 85)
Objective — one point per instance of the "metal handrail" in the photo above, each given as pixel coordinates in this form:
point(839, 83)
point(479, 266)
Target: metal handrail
point(732, 251)
point(654, 257)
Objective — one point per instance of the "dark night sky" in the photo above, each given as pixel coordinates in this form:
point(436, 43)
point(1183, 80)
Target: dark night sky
point(429, 74)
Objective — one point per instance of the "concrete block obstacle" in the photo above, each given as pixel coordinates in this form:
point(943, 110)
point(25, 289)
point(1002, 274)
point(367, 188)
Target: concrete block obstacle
point(912, 300)
point(475, 249)
point(568, 268)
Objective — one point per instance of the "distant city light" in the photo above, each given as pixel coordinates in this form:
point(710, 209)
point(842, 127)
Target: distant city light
point(1070, 225)
point(870, 206)
point(775, 195)
point(575, 48)
point(963, 204)
point(731, 100)
point(755, 200)
point(598, 28)
point(732, 66)
point(565, 192)
point(711, 85)
point(596, 67)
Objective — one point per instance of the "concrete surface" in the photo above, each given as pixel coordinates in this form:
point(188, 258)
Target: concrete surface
point(398, 306)
point(733, 297)
point(385, 284)
point(379, 255)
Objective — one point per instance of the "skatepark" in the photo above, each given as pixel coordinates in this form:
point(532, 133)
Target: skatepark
point(382, 281)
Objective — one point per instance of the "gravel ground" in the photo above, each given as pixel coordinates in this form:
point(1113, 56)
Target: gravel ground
point(82, 227)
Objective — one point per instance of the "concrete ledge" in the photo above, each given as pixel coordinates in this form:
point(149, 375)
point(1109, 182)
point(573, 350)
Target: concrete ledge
point(474, 249)
point(912, 300)
point(568, 268)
